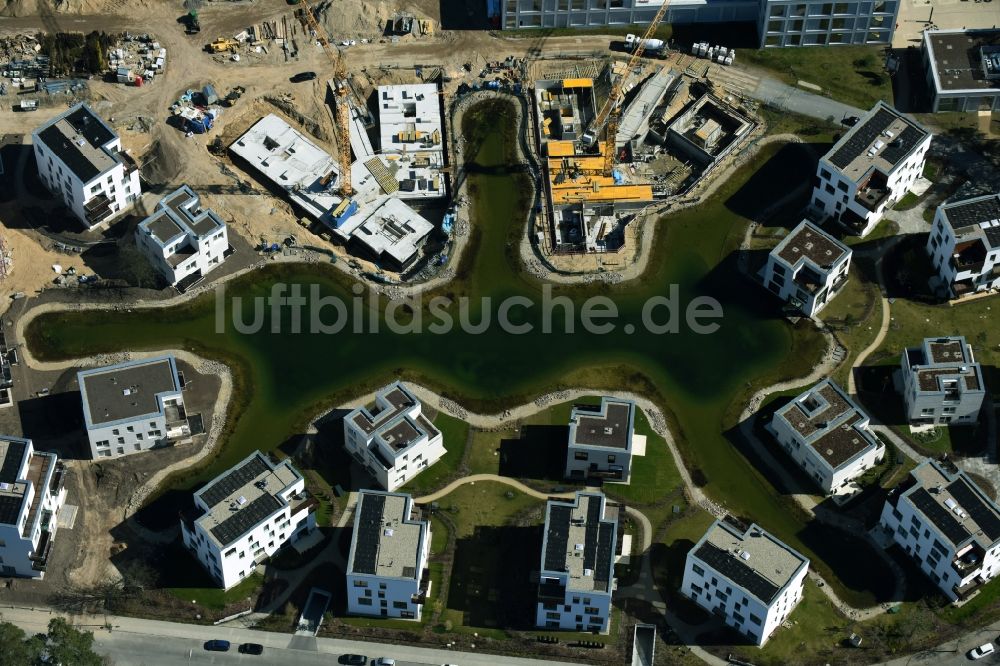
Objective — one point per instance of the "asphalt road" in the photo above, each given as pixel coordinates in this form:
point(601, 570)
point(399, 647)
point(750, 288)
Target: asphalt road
point(139, 642)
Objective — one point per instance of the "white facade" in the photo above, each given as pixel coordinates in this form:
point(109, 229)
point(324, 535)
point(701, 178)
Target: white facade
point(807, 268)
point(962, 69)
point(31, 494)
point(748, 578)
point(245, 515)
point(577, 578)
point(827, 434)
point(81, 161)
point(964, 245)
point(870, 168)
point(393, 440)
point(942, 383)
point(600, 440)
point(948, 526)
point(133, 406)
point(387, 574)
point(182, 240)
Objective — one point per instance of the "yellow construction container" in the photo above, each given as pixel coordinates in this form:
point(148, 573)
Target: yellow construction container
point(561, 148)
point(578, 83)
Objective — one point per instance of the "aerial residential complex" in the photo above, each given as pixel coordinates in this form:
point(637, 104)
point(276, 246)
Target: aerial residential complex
point(828, 436)
point(387, 574)
point(81, 161)
point(963, 69)
point(182, 240)
point(779, 22)
point(393, 440)
point(964, 245)
point(807, 268)
point(132, 406)
point(870, 168)
point(948, 526)
point(577, 576)
point(412, 139)
point(942, 383)
point(244, 515)
point(745, 576)
point(31, 495)
point(600, 440)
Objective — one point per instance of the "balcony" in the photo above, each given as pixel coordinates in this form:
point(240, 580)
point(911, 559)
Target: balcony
point(965, 591)
point(98, 209)
point(425, 586)
point(302, 502)
point(613, 473)
point(969, 561)
point(873, 192)
point(58, 480)
point(39, 559)
point(127, 162)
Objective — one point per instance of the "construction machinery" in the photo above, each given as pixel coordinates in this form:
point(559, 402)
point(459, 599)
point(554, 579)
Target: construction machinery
point(342, 112)
point(221, 45)
point(610, 114)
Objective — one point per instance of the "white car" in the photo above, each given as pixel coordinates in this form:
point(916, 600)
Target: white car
point(983, 650)
point(385, 661)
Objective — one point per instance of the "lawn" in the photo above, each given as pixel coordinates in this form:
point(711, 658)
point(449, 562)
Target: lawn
point(486, 503)
point(654, 476)
point(456, 433)
point(851, 74)
point(668, 558)
point(912, 322)
point(854, 316)
point(216, 598)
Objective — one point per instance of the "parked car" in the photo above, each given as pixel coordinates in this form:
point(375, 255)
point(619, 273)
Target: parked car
point(385, 661)
point(251, 648)
point(303, 76)
point(354, 659)
point(983, 650)
point(217, 645)
point(850, 121)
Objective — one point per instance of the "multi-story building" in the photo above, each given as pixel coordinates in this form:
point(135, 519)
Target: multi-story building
point(827, 434)
point(942, 383)
point(393, 440)
point(81, 161)
point(577, 578)
point(411, 136)
point(181, 239)
point(745, 576)
point(964, 245)
point(778, 22)
point(950, 527)
point(807, 268)
point(600, 440)
point(870, 168)
point(963, 69)
point(387, 574)
point(244, 515)
point(133, 406)
point(31, 494)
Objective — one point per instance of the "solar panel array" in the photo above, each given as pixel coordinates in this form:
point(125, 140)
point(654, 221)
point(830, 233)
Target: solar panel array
point(557, 537)
point(861, 138)
point(738, 572)
point(605, 550)
point(591, 533)
point(245, 518)
point(369, 529)
point(939, 515)
point(971, 213)
point(12, 462)
point(233, 481)
point(971, 502)
point(900, 146)
point(10, 508)
point(993, 236)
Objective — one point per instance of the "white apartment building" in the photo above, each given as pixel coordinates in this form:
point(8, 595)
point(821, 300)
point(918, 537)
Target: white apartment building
point(392, 439)
point(182, 240)
point(942, 383)
point(827, 434)
point(81, 161)
point(387, 574)
point(964, 245)
point(410, 131)
point(948, 526)
point(31, 494)
point(807, 268)
point(577, 578)
point(133, 406)
point(600, 440)
point(244, 515)
point(747, 577)
point(870, 168)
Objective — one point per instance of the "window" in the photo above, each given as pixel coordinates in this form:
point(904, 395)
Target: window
point(580, 455)
point(698, 570)
point(826, 175)
point(399, 605)
point(611, 458)
point(360, 583)
point(591, 610)
point(364, 601)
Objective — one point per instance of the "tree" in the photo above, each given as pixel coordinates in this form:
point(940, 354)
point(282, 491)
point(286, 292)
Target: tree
point(69, 646)
point(14, 646)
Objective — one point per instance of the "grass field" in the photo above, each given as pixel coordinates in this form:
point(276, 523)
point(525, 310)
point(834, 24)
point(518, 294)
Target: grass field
point(854, 315)
point(217, 598)
point(455, 433)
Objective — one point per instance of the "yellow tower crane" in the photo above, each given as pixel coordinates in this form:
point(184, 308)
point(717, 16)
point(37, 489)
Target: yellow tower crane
point(610, 114)
point(342, 114)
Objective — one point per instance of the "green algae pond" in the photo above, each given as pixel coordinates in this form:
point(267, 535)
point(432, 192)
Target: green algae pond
point(284, 377)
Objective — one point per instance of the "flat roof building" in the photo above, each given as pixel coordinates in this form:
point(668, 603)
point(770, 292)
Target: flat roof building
point(132, 406)
point(807, 268)
point(942, 382)
point(870, 168)
point(31, 495)
point(600, 440)
point(81, 161)
point(963, 69)
point(577, 576)
point(747, 577)
point(412, 138)
point(245, 515)
point(828, 436)
point(964, 245)
point(387, 572)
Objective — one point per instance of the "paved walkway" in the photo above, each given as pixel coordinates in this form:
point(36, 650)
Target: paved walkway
point(882, 332)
